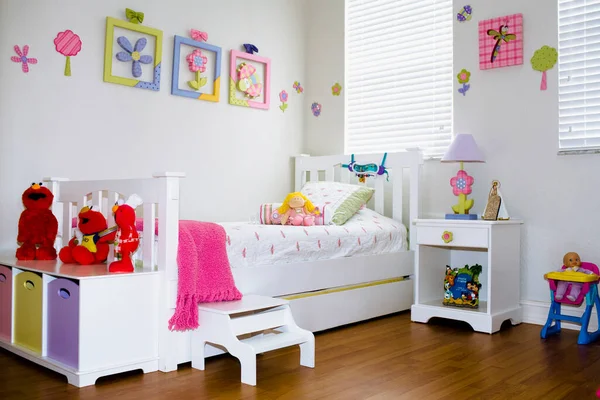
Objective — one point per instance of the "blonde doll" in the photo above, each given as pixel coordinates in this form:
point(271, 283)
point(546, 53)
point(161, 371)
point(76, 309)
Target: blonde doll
point(297, 210)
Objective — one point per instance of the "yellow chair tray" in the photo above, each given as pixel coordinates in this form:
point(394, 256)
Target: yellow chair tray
point(571, 276)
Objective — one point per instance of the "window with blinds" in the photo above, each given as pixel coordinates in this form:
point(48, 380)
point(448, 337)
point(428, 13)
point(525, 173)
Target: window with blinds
point(579, 74)
point(398, 75)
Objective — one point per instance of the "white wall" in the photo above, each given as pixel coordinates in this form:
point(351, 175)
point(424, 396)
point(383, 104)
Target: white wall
point(515, 125)
point(324, 66)
point(82, 128)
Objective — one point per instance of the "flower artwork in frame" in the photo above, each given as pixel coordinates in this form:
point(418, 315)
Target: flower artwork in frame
point(249, 80)
point(501, 42)
point(132, 54)
point(196, 70)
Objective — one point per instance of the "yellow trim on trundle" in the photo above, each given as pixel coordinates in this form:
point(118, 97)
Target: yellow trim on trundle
point(341, 289)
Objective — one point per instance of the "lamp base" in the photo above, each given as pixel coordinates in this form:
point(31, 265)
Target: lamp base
point(461, 216)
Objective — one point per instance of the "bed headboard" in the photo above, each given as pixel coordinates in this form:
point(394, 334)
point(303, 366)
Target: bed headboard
point(329, 168)
point(160, 196)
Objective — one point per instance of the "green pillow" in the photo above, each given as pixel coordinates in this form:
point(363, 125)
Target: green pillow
point(337, 201)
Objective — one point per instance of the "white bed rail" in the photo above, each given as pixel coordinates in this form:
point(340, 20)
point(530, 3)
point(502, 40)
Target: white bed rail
point(160, 196)
point(329, 168)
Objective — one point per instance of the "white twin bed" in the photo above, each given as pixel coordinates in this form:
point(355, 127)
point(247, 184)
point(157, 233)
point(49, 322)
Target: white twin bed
point(332, 275)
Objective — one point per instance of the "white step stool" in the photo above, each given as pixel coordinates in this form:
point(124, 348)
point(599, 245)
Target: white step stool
point(222, 322)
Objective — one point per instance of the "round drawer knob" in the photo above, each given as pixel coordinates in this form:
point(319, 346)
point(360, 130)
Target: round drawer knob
point(447, 236)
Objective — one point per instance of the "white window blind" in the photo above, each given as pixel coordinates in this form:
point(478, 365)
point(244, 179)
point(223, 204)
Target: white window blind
point(398, 75)
point(579, 74)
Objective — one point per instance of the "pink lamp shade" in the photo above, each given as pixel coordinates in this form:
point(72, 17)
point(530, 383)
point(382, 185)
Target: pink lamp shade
point(463, 149)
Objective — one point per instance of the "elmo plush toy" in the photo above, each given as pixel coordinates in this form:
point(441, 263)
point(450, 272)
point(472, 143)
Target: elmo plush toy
point(90, 246)
point(127, 239)
point(38, 227)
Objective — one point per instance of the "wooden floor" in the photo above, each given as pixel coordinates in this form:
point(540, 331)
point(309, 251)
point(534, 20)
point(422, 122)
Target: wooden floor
point(386, 358)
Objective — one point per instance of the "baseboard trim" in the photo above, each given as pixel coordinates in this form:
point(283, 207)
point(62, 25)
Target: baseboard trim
point(536, 312)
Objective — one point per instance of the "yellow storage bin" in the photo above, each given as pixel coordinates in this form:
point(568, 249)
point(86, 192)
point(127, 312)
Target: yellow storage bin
point(28, 296)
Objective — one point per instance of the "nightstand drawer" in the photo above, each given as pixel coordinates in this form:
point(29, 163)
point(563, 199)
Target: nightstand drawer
point(447, 236)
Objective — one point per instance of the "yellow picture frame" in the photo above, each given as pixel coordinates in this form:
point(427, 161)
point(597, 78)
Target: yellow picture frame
point(111, 23)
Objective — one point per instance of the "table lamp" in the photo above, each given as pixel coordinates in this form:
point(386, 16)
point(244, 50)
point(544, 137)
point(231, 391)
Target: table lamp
point(463, 150)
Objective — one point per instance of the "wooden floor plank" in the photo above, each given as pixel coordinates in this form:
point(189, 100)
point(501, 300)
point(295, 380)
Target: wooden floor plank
point(386, 358)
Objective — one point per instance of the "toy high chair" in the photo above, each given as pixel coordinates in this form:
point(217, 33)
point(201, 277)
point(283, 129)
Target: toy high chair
point(589, 292)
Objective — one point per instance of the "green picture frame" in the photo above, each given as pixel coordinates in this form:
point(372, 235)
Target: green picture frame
point(111, 23)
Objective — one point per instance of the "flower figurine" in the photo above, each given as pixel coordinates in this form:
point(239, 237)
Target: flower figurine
point(461, 187)
point(447, 237)
point(283, 96)
point(463, 77)
point(197, 64)
point(22, 58)
point(336, 89)
point(132, 53)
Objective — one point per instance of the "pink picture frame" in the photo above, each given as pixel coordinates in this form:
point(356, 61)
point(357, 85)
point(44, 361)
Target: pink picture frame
point(238, 97)
point(501, 42)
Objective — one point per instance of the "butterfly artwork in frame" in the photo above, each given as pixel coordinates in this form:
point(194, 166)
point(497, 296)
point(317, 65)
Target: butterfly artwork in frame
point(501, 42)
point(249, 80)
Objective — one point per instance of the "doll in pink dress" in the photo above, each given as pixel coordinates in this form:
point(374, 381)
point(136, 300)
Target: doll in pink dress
point(297, 210)
point(571, 262)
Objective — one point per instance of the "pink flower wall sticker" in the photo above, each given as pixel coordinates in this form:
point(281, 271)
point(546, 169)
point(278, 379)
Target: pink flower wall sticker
point(22, 58)
point(283, 96)
point(197, 64)
point(68, 44)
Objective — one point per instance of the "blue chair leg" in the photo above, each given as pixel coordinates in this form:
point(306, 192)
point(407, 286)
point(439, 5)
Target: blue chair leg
point(591, 299)
point(552, 325)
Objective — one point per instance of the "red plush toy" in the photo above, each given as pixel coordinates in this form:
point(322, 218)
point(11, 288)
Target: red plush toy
point(127, 239)
point(38, 227)
point(91, 245)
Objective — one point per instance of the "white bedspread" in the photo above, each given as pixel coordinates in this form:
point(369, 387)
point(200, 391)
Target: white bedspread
point(366, 233)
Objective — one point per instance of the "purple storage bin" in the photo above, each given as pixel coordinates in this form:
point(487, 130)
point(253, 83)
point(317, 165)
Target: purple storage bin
point(5, 302)
point(63, 322)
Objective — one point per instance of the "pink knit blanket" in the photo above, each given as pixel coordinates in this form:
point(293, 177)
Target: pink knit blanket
point(204, 272)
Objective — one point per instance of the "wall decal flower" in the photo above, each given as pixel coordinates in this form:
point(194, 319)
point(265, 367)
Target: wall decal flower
point(463, 77)
point(22, 58)
point(283, 96)
point(132, 53)
point(316, 109)
point(68, 44)
point(336, 89)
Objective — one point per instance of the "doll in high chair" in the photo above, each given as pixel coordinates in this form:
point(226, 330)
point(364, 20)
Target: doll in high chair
point(571, 262)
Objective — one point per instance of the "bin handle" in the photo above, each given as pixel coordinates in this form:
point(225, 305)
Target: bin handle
point(29, 285)
point(64, 293)
point(2, 278)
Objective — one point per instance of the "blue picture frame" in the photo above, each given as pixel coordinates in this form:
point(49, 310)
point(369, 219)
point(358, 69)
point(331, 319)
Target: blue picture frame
point(216, 95)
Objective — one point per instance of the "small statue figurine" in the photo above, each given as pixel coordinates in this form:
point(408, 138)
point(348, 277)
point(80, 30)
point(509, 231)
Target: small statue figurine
point(494, 202)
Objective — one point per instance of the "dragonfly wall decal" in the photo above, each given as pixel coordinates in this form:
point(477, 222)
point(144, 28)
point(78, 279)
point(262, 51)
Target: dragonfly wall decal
point(499, 36)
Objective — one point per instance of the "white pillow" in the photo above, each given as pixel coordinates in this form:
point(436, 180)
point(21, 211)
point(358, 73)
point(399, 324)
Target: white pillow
point(339, 201)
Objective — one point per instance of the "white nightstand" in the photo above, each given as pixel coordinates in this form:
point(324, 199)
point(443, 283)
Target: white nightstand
point(495, 245)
